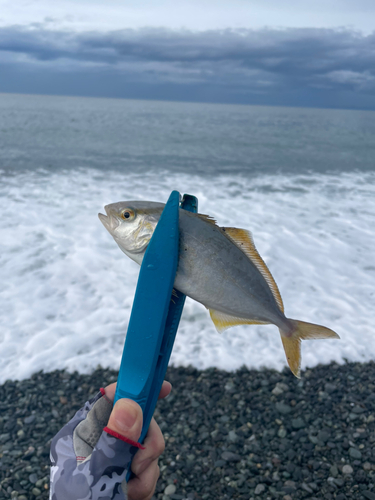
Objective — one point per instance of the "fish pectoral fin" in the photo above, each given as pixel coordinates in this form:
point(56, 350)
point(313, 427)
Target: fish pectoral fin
point(223, 321)
point(244, 241)
point(300, 330)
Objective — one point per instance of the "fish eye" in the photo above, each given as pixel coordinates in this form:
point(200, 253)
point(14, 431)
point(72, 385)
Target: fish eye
point(127, 214)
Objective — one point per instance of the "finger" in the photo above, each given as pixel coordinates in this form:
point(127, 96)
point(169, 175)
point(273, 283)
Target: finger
point(165, 389)
point(143, 487)
point(126, 419)
point(154, 446)
point(164, 392)
point(110, 391)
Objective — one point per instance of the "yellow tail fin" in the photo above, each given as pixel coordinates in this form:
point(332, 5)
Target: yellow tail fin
point(292, 341)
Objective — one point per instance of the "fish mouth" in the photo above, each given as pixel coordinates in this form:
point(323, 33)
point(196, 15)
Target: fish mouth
point(109, 221)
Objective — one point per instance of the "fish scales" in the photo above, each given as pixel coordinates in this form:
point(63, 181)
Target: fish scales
point(227, 280)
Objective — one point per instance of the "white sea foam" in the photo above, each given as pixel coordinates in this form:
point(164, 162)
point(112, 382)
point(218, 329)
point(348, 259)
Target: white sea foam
point(66, 289)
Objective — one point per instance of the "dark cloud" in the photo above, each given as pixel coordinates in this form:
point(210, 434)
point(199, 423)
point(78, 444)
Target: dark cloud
point(239, 64)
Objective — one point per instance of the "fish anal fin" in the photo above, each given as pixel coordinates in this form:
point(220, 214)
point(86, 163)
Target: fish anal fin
point(223, 321)
point(244, 241)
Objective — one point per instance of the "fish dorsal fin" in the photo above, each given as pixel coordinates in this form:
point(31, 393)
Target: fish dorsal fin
point(223, 321)
point(207, 218)
point(244, 241)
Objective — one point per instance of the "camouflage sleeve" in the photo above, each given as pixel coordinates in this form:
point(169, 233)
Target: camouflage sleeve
point(88, 460)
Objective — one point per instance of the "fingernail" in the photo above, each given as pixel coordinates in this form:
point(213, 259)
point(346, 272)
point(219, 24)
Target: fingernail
point(125, 415)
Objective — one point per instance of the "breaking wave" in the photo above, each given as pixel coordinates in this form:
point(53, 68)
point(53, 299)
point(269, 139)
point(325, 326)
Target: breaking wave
point(66, 289)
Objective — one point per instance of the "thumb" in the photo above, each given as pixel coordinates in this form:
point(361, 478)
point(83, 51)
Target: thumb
point(111, 457)
point(126, 419)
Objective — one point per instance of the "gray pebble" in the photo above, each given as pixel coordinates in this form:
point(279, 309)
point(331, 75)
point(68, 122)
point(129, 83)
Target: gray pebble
point(306, 488)
point(347, 469)
point(334, 471)
point(279, 389)
point(329, 387)
point(229, 387)
point(232, 437)
point(33, 478)
point(225, 419)
point(230, 456)
point(170, 489)
point(354, 416)
point(358, 409)
point(219, 463)
point(4, 437)
point(354, 453)
point(323, 436)
point(15, 453)
point(29, 452)
point(283, 408)
point(281, 432)
point(259, 489)
point(298, 423)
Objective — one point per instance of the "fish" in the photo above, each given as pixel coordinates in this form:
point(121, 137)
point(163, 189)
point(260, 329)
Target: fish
point(219, 267)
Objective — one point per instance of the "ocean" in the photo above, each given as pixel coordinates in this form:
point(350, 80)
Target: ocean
point(302, 180)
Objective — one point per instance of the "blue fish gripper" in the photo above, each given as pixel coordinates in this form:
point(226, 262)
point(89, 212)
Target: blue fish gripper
point(155, 314)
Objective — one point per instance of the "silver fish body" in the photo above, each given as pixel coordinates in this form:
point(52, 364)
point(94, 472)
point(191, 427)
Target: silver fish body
point(214, 271)
point(218, 267)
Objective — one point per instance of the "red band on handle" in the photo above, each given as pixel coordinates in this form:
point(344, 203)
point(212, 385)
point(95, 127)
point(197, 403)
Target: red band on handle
point(123, 438)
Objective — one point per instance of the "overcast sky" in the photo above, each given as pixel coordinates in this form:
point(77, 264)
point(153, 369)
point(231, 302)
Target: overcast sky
point(291, 52)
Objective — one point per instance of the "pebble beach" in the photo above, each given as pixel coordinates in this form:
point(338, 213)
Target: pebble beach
point(249, 434)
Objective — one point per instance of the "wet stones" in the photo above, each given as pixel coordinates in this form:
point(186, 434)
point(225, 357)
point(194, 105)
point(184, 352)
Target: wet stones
point(242, 435)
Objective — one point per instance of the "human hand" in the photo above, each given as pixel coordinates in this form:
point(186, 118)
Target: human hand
point(145, 462)
point(89, 462)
